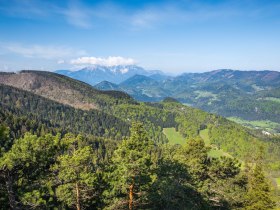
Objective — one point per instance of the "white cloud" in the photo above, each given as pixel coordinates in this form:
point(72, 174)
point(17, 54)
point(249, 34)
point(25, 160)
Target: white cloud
point(110, 61)
point(41, 51)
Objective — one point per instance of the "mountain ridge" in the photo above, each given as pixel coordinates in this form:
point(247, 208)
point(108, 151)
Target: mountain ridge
point(230, 93)
point(97, 73)
point(63, 89)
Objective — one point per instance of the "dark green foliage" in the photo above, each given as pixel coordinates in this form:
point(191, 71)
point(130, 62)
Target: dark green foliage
point(46, 172)
point(194, 155)
point(218, 181)
point(76, 173)
point(174, 186)
point(259, 195)
point(131, 176)
point(154, 118)
point(23, 111)
point(5, 141)
point(24, 170)
point(42, 172)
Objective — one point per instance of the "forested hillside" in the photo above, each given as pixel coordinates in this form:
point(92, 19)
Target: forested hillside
point(23, 111)
point(56, 155)
point(251, 96)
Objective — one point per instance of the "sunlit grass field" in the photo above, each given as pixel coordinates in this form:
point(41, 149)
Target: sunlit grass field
point(173, 136)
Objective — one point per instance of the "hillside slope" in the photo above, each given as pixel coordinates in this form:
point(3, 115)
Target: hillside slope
point(64, 89)
point(23, 111)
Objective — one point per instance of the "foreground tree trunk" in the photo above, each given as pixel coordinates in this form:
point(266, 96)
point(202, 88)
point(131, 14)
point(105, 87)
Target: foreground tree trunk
point(131, 196)
point(78, 197)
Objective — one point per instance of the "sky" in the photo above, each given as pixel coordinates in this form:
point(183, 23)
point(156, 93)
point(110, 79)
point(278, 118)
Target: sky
point(174, 36)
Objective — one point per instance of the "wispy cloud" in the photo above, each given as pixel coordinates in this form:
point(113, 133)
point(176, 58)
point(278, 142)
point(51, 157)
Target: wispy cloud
point(109, 61)
point(145, 18)
point(25, 9)
point(72, 12)
point(42, 51)
point(83, 14)
point(178, 12)
point(77, 14)
point(188, 11)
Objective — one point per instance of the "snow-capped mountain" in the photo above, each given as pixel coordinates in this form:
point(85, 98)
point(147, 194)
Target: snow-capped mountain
point(115, 74)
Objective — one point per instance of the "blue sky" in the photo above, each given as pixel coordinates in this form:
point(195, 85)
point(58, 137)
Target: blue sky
point(172, 35)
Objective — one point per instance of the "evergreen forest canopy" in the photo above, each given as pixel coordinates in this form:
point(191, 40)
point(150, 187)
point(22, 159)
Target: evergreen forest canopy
point(55, 154)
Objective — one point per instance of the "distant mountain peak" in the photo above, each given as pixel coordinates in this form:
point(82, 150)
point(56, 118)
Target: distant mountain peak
point(95, 74)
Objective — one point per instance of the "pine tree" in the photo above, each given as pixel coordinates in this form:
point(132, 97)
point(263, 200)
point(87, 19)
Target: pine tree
point(132, 175)
point(25, 167)
point(259, 195)
point(75, 173)
point(259, 192)
point(194, 156)
point(173, 187)
point(5, 141)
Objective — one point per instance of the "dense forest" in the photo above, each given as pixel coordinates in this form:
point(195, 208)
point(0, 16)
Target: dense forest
point(53, 172)
point(57, 156)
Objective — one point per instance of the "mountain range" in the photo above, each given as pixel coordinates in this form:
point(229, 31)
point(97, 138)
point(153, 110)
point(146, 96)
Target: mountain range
point(243, 96)
point(115, 74)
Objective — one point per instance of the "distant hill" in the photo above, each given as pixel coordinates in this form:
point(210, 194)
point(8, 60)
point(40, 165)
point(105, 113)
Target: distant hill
point(137, 80)
point(144, 88)
point(105, 85)
point(249, 95)
point(243, 79)
point(64, 89)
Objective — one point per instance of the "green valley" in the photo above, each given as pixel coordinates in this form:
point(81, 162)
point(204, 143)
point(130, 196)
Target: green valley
point(260, 124)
